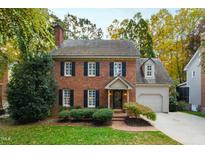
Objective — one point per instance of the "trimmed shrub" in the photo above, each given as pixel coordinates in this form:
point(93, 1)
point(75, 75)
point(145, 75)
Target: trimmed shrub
point(102, 116)
point(81, 114)
point(64, 115)
point(182, 106)
point(136, 109)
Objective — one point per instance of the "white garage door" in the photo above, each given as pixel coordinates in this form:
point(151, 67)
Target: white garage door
point(154, 101)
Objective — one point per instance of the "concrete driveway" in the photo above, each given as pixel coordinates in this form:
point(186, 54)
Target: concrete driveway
point(183, 127)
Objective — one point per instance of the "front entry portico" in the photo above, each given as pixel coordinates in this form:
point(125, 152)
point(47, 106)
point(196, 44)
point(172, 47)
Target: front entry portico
point(118, 92)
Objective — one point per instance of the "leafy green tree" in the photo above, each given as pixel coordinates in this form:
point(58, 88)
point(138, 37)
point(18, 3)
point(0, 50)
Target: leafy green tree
point(135, 29)
point(81, 28)
point(171, 37)
point(23, 30)
point(31, 90)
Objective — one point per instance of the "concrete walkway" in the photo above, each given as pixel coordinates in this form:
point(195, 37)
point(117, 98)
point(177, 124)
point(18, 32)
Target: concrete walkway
point(183, 127)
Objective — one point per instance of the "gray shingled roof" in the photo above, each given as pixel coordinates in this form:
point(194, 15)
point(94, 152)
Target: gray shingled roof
point(161, 75)
point(96, 48)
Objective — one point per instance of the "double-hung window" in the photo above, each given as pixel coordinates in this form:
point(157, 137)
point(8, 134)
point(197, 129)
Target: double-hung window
point(149, 71)
point(68, 68)
point(91, 98)
point(91, 69)
point(66, 97)
point(117, 68)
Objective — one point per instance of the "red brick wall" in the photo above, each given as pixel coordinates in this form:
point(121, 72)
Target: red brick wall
point(203, 90)
point(79, 82)
point(3, 85)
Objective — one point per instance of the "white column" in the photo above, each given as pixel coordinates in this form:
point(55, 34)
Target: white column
point(108, 97)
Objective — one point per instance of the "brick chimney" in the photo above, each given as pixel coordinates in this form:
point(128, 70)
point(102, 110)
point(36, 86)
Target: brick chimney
point(59, 35)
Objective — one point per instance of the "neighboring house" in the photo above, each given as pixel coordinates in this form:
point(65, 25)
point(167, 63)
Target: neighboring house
point(3, 85)
point(195, 80)
point(107, 73)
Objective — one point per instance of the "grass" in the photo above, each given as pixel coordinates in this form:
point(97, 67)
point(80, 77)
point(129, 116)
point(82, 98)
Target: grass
point(44, 134)
point(200, 114)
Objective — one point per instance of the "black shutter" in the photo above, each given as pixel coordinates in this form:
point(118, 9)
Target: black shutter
point(60, 97)
point(71, 98)
point(73, 68)
point(97, 98)
point(62, 69)
point(85, 98)
point(123, 68)
point(97, 69)
point(85, 68)
point(111, 68)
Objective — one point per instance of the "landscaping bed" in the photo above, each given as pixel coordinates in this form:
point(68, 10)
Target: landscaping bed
point(139, 122)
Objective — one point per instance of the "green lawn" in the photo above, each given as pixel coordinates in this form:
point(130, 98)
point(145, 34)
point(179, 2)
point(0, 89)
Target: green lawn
point(200, 114)
point(37, 134)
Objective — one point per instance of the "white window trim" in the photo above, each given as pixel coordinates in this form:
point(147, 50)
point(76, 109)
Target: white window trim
point(64, 104)
point(70, 63)
point(114, 72)
point(91, 106)
point(152, 67)
point(91, 75)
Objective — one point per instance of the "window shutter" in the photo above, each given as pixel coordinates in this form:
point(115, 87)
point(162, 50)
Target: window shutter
point(60, 96)
point(71, 98)
point(123, 68)
point(85, 68)
point(62, 69)
point(111, 68)
point(97, 69)
point(97, 99)
point(73, 68)
point(85, 98)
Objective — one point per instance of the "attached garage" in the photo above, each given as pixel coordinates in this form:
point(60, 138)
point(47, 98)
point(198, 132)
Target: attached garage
point(153, 81)
point(154, 96)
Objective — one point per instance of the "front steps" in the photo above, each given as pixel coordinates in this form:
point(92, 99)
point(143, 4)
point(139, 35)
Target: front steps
point(119, 115)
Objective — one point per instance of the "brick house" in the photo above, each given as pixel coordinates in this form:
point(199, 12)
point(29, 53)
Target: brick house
point(107, 73)
point(3, 85)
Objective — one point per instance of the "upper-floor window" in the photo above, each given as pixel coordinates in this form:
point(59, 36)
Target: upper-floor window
point(91, 69)
point(117, 68)
point(149, 71)
point(66, 97)
point(68, 68)
point(91, 98)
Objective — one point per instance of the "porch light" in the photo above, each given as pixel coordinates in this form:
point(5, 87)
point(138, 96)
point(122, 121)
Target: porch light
point(110, 93)
point(125, 94)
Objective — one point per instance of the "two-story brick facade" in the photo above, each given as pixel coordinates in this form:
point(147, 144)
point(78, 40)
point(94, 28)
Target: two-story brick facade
point(96, 73)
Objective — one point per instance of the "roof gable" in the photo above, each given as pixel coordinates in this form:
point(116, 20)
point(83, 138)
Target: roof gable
point(197, 53)
point(119, 83)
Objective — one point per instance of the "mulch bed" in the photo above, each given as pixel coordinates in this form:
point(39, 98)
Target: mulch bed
point(136, 122)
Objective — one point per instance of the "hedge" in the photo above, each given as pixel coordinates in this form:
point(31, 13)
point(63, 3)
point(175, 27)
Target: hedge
point(102, 116)
point(135, 110)
point(64, 115)
point(81, 114)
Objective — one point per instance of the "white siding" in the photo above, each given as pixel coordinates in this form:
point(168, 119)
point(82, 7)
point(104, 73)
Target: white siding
point(194, 83)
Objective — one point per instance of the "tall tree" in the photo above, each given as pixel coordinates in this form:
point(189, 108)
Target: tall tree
point(170, 35)
point(135, 29)
point(23, 31)
point(81, 28)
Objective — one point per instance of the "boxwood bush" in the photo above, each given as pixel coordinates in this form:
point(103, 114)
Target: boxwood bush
point(135, 110)
point(82, 114)
point(102, 116)
point(64, 115)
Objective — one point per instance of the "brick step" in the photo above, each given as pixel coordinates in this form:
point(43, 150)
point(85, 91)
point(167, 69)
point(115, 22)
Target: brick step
point(122, 115)
point(118, 111)
point(118, 119)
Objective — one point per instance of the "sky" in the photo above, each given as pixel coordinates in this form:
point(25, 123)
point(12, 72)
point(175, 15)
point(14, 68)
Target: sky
point(104, 17)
